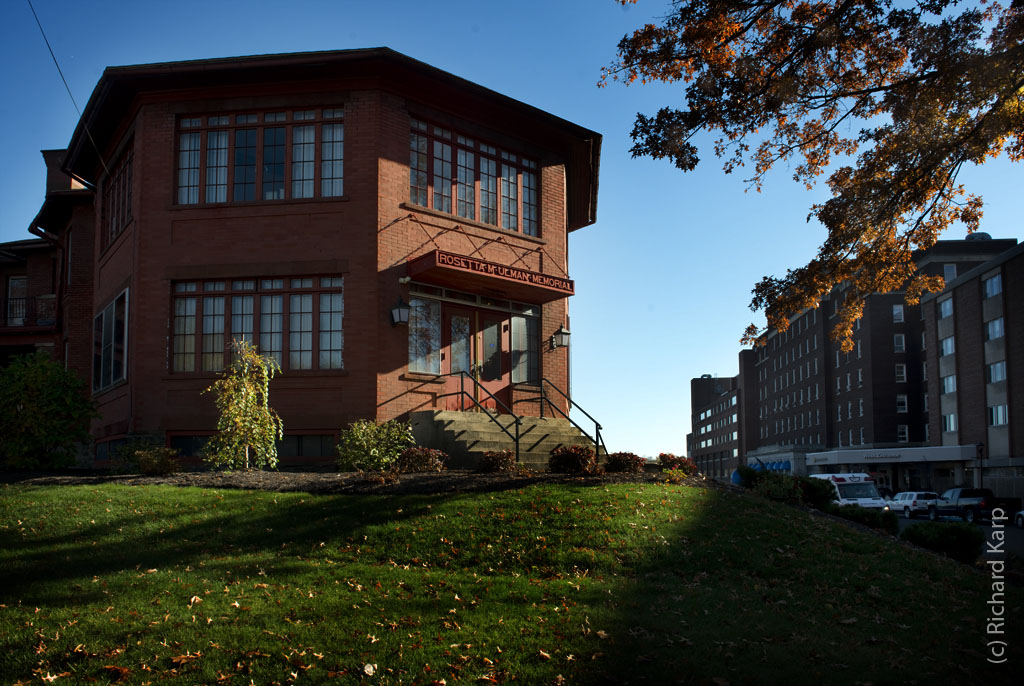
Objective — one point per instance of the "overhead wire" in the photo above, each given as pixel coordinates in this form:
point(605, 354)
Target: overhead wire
point(85, 126)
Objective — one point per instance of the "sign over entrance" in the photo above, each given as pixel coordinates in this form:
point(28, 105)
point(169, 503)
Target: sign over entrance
point(449, 265)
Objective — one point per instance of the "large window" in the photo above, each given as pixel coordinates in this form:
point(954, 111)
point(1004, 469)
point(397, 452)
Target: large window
point(996, 371)
point(947, 346)
point(993, 285)
point(459, 175)
point(998, 415)
point(267, 156)
point(110, 339)
point(949, 384)
point(946, 308)
point(117, 198)
point(297, 321)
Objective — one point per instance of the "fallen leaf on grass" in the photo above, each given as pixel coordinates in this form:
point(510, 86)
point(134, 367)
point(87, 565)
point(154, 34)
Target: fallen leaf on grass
point(545, 656)
point(116, 672)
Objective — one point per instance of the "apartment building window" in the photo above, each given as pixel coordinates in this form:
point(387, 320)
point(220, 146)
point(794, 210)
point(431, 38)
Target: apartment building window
point(110, 343)
point(948, 272)
point(946, 308)
point(924, 371)
point(947, 346)
point(923, 346)
point(902, 433)
point(924, 402)
point(996, 371)
point(994, 329)
point(949, 422)
point(493, 186)
point(848, 384)
point(839, 413)
point(901, 373)
point(901, 403)
point(898, 343)
point(117, 198)
point(858, 350)
point(897, 313)
point(860, 407)
point(296, 321)
point(926, 432)
point(993, 286)
point(862, 435)
point(231, 156)
point(998, 415)
point(849, 409)
point(948, 383)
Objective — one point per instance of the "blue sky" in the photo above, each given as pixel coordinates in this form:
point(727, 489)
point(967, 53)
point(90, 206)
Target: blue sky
point(663, 278)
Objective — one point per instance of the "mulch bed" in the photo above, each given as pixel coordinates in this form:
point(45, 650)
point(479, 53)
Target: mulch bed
point(347, 483)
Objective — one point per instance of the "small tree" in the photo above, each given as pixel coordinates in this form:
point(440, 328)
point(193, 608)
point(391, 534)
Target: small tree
point(44, 411)
point(248, 429)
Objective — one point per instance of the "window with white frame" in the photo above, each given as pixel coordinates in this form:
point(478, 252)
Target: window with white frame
point(902, 433)
point(897, 313)
point(901, 403)
point(110, 343)
point(948, 272)
point(949, 422)
point(901, 373)
point(898, 343)
point(948, 383)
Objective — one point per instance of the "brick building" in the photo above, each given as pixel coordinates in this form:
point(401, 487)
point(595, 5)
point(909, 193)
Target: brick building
point(296, 201)
point(880, 408)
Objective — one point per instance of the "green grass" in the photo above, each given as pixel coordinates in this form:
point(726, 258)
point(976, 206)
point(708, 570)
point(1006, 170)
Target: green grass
point(618, 584)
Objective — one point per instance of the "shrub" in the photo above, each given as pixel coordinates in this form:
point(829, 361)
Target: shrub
point(959, 541)
point(816, 493)
point(248, 429)
point(778, 487)
point(497, 461)
point(366, 445)
point(876, 519)
point(670, 461)
point(624, 462)
point(146, 457)
point(420, 459)
point(44, 411)
point(572, 459)
point(749, 476)
point(676, 476)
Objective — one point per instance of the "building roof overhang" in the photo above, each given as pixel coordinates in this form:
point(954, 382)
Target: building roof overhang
point(383, 68)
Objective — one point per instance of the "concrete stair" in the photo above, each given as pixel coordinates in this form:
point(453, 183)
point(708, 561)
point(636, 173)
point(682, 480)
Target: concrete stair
point(466, 436)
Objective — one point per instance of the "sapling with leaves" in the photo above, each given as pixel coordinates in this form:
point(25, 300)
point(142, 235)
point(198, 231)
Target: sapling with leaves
point(248, 428)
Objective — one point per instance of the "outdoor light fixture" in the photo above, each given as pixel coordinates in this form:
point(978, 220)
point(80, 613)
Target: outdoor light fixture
point(400, 313)
point(560, 338)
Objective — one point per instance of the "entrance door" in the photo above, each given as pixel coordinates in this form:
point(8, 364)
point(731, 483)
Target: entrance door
point(475, 342)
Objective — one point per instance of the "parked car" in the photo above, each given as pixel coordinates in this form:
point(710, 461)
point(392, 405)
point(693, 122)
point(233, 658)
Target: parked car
point(972, 504)
point(854, 489)
point(910, 503)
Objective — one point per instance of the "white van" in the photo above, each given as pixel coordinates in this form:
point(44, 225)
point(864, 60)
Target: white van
point(854, 489)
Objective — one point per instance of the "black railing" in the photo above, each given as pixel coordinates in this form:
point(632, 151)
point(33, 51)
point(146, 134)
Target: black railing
point(463, 393)
point(596, 439)
point(23, 312)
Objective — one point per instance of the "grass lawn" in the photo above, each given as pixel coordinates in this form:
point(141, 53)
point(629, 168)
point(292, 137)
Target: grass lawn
point(626, 583)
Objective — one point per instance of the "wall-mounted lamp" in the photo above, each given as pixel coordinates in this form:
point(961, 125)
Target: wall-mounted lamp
point(560, 338)
point(400, 313)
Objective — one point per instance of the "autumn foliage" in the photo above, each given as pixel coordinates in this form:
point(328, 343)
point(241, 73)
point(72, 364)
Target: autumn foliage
point(892, 99)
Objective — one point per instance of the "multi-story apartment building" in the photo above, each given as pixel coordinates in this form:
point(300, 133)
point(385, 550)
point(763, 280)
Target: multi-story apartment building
point(714, 443)
point(976, 329)
point(879, 408)
point(390, 233)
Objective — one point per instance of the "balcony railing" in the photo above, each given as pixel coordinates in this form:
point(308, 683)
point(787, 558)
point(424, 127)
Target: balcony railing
point(38, 311)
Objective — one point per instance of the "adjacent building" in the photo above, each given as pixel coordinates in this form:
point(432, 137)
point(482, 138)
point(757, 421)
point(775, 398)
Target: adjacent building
point(390, 233)
point(924, 390)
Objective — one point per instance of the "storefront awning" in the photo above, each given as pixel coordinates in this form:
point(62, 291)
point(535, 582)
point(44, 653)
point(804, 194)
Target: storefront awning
point(479, 276)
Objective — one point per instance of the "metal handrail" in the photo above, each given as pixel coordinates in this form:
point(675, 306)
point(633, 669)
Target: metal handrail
point(596, 439)
point(463, 392)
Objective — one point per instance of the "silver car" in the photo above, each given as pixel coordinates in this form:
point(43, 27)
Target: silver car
point(912, 502)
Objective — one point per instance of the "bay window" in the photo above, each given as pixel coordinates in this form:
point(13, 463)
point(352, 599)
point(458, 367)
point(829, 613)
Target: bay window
point(110, 343)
